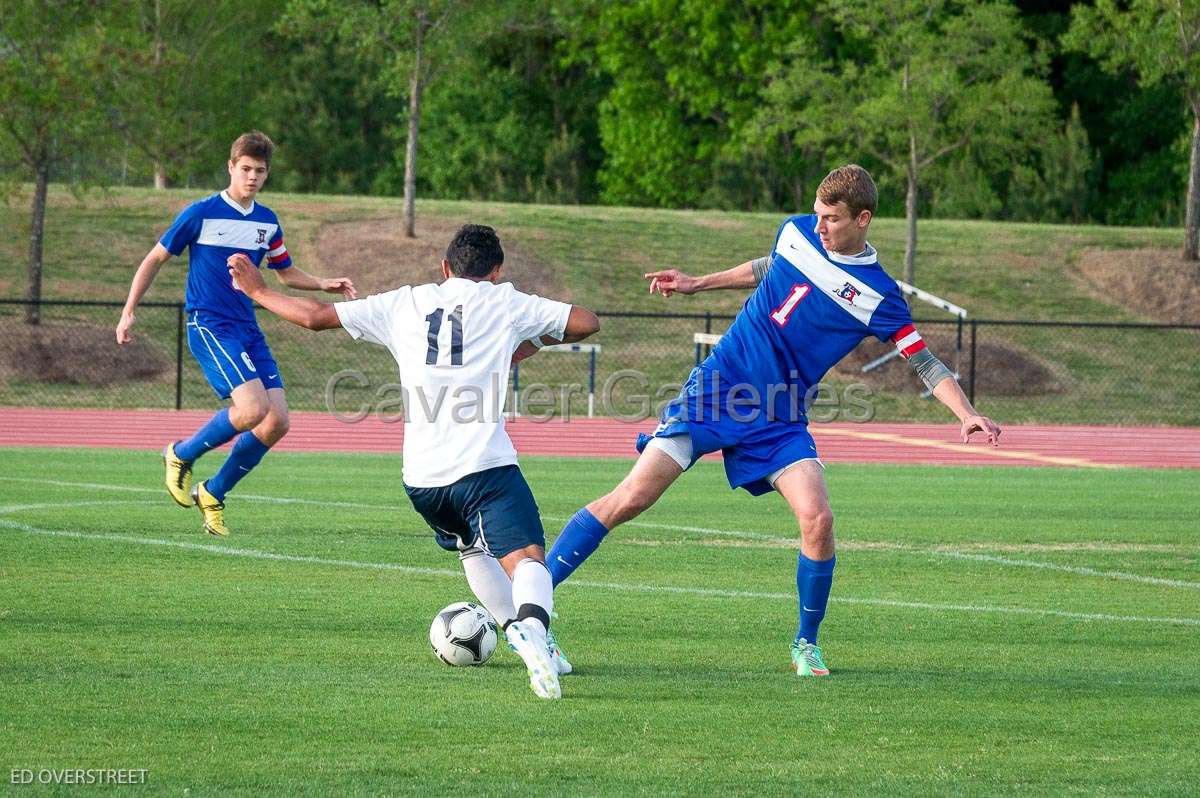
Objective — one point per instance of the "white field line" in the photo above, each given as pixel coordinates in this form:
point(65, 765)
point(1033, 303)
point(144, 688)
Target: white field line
point(248, 496)
point(1071, 569)
point(616, 586)
point(939, 551)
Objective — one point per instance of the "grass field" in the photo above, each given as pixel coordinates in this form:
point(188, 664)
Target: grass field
point(993, 631)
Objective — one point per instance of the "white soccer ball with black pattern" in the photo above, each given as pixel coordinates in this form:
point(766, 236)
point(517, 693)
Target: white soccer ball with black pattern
point(463, 634)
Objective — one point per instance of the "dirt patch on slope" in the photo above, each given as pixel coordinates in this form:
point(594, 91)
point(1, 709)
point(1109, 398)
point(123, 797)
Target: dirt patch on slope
point(1156, 283)
point(378, 257)
point(1003, 368)
point(75, 354)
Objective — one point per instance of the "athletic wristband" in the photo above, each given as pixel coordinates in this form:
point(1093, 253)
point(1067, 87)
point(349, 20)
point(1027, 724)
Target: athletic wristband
point(759, 267)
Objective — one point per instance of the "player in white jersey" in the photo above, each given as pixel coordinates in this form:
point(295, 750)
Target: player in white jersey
point(454, 343)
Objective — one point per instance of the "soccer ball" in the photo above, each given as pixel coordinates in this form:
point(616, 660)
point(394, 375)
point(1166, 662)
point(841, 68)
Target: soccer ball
point(463, 634)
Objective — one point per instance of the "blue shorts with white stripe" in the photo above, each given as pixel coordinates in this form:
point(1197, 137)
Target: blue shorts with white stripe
point(492, 510)
point(230, 352)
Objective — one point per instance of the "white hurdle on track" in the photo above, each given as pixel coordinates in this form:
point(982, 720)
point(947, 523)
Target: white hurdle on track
point(591, 350)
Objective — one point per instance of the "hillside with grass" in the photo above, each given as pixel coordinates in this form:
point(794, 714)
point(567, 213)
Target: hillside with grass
point(596, 256)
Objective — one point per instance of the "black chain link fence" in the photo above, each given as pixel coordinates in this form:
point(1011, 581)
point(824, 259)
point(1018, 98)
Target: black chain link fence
point(1017, 372)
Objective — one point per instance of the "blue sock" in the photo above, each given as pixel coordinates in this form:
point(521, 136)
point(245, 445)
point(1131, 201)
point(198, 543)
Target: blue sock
point(578, 539)
point(216, 431)
point(813, 580)
point(245, 455)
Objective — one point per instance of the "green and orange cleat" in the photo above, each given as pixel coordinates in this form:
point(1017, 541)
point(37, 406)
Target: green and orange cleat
point(807, 660)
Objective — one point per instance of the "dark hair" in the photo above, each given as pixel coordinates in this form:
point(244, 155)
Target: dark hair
point(474, 252)
point(254, 144)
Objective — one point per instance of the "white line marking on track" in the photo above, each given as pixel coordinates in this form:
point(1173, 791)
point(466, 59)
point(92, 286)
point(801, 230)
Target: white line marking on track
point(617, 586)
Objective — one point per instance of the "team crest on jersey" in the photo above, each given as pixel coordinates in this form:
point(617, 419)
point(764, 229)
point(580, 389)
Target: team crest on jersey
point(848, 293)
point(262, 236)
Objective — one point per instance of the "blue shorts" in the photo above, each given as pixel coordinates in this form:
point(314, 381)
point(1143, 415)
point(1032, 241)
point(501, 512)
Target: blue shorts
point(230, 353)
point(752, 448)
point(492, 509)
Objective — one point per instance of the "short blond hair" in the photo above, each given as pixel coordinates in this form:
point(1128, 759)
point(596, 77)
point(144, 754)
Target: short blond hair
point(852, 185)
point(255, 144)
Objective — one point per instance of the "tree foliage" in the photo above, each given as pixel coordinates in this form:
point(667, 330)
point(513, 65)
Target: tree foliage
point(183, 78)
point(724, 103)
point(513, 118)
point(1160, 41)
point(934, 80)
point(685, 79)
point(48, 113)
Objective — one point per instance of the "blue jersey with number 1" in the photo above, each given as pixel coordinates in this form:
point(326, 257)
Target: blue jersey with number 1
point(812, 308)
point(748, 398)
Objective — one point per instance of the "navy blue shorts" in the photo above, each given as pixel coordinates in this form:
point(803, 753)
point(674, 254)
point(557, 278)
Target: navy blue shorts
point(493, 509)
point(230, 353)
point(753, 448)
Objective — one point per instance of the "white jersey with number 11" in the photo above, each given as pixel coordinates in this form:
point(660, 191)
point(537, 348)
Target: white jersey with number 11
point(453, 342)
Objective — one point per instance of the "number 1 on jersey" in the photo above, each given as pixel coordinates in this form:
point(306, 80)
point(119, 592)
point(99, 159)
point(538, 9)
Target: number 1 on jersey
point(781, 313)
point(456, 336)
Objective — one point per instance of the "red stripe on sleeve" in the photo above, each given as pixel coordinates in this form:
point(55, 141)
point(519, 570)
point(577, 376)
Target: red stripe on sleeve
point(909, 351)
point(907, 329)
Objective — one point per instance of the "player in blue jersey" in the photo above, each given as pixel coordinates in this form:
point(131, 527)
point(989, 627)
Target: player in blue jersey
point(223, 334)
point(819, 293)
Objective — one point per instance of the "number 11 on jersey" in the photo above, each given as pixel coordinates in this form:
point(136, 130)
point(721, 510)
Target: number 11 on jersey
point(456, 336)
point(781, 313)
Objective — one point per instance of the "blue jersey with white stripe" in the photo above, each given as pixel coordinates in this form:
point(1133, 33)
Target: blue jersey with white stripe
point(811, 309)
point(212, 229)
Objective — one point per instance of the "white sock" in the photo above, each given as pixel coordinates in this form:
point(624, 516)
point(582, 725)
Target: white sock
point(533, 593)
point(490, 584)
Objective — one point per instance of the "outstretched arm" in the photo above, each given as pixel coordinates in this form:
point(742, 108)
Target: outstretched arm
point(673, 281)
point(298, 310)
point(295, 277)
point(951, 395)
point(581, 324)
point(942, 384)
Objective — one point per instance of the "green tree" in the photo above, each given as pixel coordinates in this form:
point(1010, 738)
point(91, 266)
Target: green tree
point(935, 77)
point(1061, 183)
point(685, 77)
point(48, 114)
point(400, 35)
point(180, 77)
point(1160, 40)
point(330, 103)
point(788, 128)
point(511, 118)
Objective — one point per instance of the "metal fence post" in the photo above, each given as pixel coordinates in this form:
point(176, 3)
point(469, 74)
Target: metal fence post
point(958, 348)
point(971, 379)
point(179, 356)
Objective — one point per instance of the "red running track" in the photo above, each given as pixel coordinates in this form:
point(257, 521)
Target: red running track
point(1098, 447)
